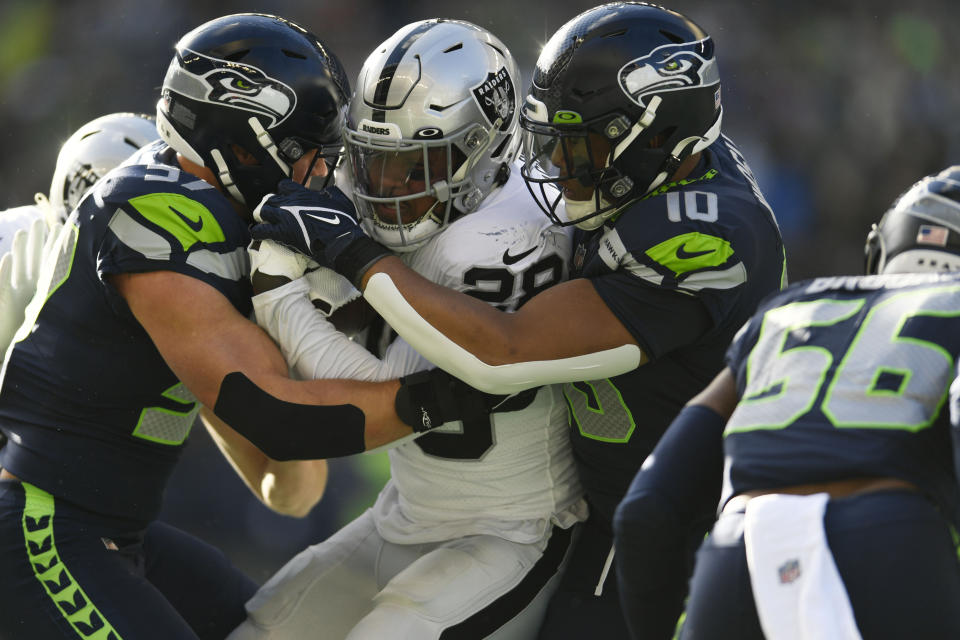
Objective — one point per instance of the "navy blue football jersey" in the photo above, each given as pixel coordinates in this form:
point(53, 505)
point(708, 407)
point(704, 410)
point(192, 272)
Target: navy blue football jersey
point(847, 377)
point(682, 269)
point(93, 413)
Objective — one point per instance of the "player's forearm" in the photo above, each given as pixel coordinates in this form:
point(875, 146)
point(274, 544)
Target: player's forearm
point(561, 335)
point(312, 346)
point(474, 325)
point(376, 400)
point(303, 420)
point(290, 488)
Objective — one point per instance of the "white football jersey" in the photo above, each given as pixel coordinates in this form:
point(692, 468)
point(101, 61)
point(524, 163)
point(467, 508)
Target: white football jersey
point(518, 478)
point(14, 219)
point(512, 480)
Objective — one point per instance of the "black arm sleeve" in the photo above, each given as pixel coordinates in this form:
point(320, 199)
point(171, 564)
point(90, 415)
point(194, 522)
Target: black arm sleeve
point(286, 430)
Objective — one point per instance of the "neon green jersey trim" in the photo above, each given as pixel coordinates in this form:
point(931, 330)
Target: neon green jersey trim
point(662, 189)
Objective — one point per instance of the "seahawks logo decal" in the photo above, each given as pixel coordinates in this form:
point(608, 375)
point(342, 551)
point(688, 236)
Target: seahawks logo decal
point(497, 99)
point(232, 84)
point(668, 68)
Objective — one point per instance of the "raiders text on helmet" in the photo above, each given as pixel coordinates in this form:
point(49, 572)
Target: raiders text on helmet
point(621, 95)
point(921, 231)
point(257, 81)
point(432, 128)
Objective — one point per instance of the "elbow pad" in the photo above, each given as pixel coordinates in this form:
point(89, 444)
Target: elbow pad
point(287, 430)
point(506, 379)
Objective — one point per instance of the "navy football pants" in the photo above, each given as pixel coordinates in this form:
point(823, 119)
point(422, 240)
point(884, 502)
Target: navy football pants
point(894, 552)
point(575, 612)
point(60, 579)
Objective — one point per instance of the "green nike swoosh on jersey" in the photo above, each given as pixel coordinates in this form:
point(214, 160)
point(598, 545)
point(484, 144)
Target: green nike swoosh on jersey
point(187, 220)
point(690, 251)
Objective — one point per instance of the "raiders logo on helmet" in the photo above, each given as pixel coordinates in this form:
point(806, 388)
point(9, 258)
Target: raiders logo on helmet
point(79, 179)
point(496, 98)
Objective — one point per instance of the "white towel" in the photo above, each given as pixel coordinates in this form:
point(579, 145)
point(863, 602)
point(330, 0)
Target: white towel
point(796, 585)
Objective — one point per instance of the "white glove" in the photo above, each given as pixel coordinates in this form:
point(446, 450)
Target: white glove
point(328, 289)
point(19, 270)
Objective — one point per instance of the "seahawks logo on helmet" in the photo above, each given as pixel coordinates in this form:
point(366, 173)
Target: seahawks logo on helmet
point(668, 68)
point(497, 99)
point(234, 85)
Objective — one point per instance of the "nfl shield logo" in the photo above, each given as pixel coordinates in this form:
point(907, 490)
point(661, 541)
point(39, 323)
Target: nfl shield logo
point(789, 571)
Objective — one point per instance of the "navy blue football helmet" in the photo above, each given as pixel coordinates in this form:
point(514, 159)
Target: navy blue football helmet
point(921, 231)
point(621, 95)
point(258, 81)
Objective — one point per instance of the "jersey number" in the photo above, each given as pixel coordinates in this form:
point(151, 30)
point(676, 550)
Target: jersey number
point(477, 438)
point(599, 411)
point(496, 285)
point(892, 375)
point(697, 205)
point(472, 443)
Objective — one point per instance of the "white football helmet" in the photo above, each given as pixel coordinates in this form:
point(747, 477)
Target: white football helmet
point(92, 151)
point(432, 129)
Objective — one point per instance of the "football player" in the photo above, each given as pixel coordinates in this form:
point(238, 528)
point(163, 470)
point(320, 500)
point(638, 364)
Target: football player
point(141, 317)
point(831, 432)
point(674, 248)
point(468, 536)
point(93, 149)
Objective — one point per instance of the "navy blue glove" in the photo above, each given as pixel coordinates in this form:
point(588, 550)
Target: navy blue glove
point(319, 224)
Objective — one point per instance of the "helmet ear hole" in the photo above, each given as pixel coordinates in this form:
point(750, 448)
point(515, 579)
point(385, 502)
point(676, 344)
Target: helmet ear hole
point(243, 156)
point(499, 150)
point(660, 139)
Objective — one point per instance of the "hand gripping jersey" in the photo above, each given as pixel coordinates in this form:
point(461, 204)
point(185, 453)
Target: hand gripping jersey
point(682, 269)
point(92, 412)
point(513, 479)
point(848, 377)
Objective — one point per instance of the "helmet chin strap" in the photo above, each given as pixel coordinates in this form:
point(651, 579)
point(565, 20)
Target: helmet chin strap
point(266, 141)
point(223, 175)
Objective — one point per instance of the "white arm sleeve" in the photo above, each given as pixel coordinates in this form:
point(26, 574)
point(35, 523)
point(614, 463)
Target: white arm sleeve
point(311, 345)
point(383, 295)
point(314, 348)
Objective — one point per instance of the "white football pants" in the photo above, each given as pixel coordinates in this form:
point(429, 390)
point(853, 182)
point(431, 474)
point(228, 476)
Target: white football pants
point(358, 586)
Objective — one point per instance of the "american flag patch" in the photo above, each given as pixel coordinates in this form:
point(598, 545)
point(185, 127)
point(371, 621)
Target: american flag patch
point(929, 234)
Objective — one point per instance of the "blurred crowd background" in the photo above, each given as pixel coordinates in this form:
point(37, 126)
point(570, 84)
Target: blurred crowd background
point(837, 106)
